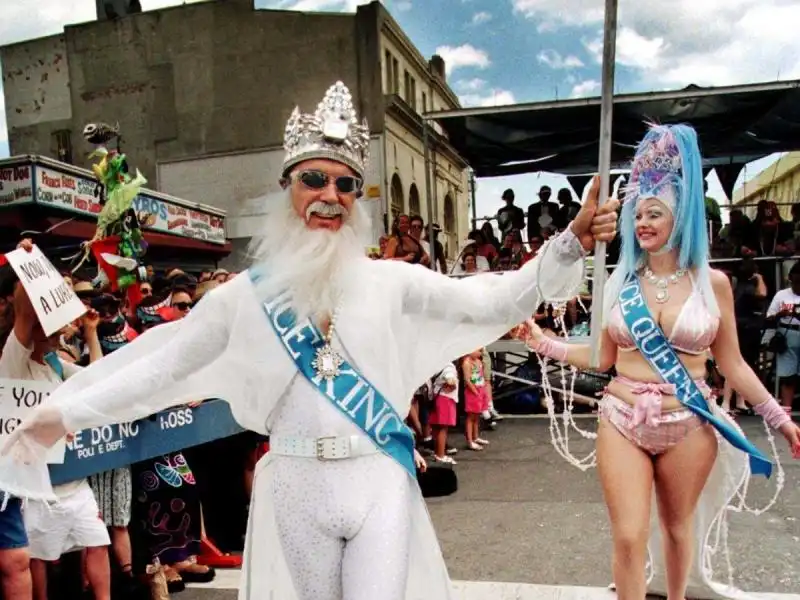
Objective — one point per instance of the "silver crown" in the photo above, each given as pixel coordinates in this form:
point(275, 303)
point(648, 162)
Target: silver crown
point(331, 132)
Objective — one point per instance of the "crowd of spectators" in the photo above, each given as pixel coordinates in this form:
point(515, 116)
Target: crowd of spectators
point(140, 522)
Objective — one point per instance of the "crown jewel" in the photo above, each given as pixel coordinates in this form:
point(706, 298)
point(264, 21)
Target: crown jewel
point(656, 166)
point(331, 132)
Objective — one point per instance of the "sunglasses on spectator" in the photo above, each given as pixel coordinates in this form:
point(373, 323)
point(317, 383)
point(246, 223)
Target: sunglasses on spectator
point(146, 291)
point(317, 180)
point(182, 306)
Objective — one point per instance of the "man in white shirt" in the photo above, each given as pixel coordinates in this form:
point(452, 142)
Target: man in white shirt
point(784, 311)
point(74, 522)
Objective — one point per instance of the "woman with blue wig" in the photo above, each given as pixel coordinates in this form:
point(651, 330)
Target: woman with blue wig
point(665, 310)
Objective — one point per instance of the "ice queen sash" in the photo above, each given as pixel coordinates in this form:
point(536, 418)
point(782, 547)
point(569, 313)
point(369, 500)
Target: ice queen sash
point(349, 392)
point(655, 347)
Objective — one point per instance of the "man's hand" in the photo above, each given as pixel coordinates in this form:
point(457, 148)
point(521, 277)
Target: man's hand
point(528, 332)
point(594, 224)
point(90, 320)
point(26, 244)
point(419, 462)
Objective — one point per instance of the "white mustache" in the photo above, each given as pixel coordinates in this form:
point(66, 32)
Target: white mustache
point(325, 209)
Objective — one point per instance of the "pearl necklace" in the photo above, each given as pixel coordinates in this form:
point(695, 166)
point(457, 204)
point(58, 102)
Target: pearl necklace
point(327, 360)
point(662, 283)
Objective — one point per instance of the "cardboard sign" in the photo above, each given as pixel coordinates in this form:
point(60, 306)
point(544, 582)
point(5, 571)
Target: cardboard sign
point(18, 398)
point(100, 449)
point(52, 298)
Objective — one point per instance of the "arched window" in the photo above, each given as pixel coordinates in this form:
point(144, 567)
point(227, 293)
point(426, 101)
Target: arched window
point(396, 195)
point(450, 225)
point(413, 200)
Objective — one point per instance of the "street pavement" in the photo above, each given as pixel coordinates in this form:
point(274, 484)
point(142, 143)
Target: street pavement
point(524, 515)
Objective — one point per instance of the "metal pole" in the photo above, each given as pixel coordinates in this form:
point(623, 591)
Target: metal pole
point(429, 194)
point(474, 204)
point(606, 120)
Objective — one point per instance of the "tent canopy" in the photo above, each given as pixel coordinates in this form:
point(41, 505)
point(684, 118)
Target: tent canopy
point(736, 125)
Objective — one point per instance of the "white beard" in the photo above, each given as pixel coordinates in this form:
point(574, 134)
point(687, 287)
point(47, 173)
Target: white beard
point(311, 264)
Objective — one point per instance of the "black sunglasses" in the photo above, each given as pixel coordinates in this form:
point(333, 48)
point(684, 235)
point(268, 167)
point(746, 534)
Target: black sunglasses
point(184, 306)
point(317, 180)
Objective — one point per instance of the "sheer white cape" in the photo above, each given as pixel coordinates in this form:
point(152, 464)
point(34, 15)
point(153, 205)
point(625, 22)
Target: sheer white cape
point(400, 325)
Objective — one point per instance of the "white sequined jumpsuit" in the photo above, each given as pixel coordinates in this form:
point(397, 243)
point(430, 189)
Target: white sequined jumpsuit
point(344, 525)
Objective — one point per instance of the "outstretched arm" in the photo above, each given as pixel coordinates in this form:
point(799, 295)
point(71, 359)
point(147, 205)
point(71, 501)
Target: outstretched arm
point(577, 355)
point(155, 371)
point(450, 317)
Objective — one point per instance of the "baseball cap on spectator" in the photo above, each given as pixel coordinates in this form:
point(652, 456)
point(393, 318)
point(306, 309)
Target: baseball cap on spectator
point(85, 290)
point(219, 272)
point(184, 280)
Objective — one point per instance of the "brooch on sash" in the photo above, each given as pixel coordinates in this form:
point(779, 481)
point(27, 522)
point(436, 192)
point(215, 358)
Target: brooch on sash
point(327, 361)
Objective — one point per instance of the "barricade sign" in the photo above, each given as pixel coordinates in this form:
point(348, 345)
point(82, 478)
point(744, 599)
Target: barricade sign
point(99, 449)
point(18, 397)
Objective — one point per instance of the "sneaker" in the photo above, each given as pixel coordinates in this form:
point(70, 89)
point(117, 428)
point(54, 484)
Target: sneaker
point(445, 459)
point(482, 441)
point(450, 451)
point(474, 447)
point(495, 416)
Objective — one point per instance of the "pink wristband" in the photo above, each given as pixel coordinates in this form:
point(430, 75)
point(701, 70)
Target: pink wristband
point(773, 413)
point(551, 349)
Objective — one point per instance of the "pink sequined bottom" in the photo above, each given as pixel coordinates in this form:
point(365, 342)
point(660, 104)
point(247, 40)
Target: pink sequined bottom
point(656, 437)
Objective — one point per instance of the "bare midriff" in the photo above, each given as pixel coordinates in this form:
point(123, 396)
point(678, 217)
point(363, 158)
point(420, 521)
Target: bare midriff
point(633, 366)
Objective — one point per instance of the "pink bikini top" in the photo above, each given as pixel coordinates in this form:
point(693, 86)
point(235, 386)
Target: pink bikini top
point(694, 331)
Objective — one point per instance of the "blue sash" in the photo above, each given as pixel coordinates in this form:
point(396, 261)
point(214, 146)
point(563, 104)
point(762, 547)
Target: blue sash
point(350, 393)
point(654, 346)
point(51, 358)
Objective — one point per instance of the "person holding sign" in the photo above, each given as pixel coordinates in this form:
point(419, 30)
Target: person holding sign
point(665, 310)
point(320, 348)
point(71, 522)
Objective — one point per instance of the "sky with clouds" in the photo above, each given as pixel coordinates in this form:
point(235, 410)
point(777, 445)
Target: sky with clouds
point(506, 51)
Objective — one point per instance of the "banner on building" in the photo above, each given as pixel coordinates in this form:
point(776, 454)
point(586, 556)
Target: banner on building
point(16, 186)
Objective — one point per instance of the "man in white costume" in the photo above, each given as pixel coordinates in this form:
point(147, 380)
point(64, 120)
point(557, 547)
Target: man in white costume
point(336, 511)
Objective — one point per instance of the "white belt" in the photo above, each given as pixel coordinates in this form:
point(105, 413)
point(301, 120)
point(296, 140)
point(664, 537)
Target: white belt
point(324, 448)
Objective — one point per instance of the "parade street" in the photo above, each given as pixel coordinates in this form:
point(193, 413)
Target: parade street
point(523, 515)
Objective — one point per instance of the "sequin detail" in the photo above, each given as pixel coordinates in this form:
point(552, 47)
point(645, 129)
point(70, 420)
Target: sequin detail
point(344, 525)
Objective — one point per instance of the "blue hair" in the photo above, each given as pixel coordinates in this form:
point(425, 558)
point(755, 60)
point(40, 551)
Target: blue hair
point(690, 230)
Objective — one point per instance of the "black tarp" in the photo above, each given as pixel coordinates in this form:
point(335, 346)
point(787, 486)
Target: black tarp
point(736, 125)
